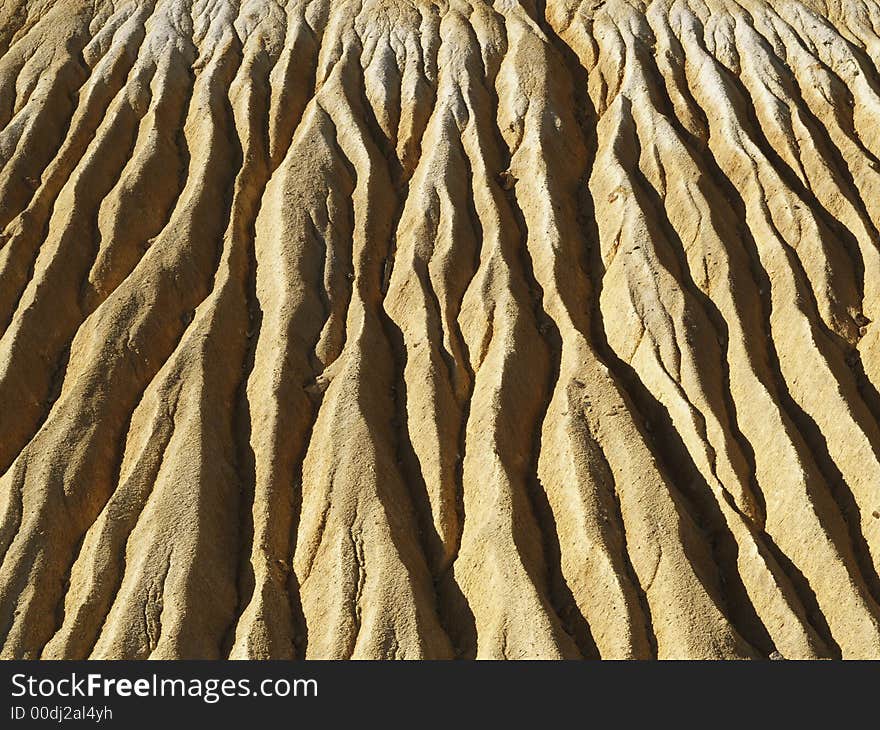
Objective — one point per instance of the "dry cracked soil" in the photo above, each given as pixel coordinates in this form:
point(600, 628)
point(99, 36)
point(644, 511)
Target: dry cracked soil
point(439, 328)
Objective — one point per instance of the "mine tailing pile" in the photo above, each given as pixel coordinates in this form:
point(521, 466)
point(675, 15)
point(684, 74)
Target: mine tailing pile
point(451, 328)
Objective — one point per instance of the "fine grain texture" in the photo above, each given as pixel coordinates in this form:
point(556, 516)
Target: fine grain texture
point(439, 328)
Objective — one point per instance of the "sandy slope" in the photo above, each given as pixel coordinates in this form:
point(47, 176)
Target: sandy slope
point(402, 328)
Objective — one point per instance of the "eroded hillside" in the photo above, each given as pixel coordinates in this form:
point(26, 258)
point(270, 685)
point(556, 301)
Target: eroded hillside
point(402, 328)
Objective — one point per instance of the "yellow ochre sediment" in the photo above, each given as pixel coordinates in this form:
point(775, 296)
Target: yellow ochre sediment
point(435, 329)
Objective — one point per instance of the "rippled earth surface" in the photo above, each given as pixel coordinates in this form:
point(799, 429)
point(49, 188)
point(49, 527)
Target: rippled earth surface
point(401, 328)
